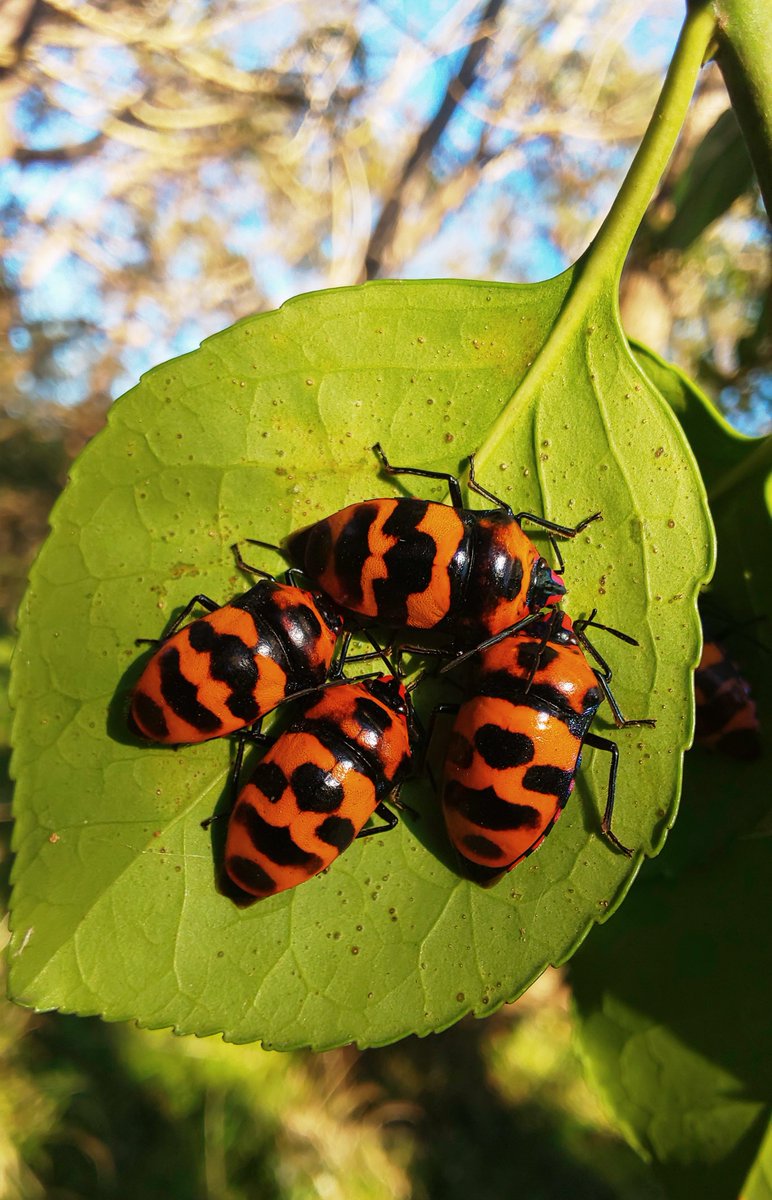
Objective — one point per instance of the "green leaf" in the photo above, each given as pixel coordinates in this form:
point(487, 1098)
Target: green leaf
point(673, 1000)
point(738, 474)
point(673, 1003)
point(743, 48)
point(758, 1185)
point(266, 427)
point(718, 172)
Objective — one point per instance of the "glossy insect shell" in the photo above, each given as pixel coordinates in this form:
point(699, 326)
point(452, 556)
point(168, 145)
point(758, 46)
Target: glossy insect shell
point(424, 565)
point(514, 753)
point(230, 667)
point(318, 785)
point(726, 717)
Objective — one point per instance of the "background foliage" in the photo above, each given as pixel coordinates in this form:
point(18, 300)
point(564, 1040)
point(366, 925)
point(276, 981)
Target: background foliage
point(297, 136)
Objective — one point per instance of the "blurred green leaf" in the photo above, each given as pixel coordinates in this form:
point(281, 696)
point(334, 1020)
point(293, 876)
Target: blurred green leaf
point(738, 474)
point(673, 1001)
point(266, 427)
point(758, 1185)
point(743, 47)
point(718, 173)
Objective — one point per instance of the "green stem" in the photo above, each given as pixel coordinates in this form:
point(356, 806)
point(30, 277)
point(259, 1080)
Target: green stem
point(603, 260)
point(596, 275)
point(743, 54)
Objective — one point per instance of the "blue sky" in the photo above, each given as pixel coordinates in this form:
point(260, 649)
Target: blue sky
point(68, 289)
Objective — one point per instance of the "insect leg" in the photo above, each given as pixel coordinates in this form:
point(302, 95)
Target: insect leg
point(601, 743)
point(568, 531)
point(474, 486)
point(204, 601)
point(390, 821)
point(454, 487)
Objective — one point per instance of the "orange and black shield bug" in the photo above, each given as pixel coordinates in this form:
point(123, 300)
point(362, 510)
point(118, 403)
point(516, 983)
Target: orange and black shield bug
point(319, 784)
point(229, 668)
point(517, 741)
point(725, 719)
point(423, 565)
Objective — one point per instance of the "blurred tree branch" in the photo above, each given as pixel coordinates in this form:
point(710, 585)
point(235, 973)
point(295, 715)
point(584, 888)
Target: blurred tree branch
point(427, 140)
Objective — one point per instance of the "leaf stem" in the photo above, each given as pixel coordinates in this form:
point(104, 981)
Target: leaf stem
point(604, 258)
point(596, 274)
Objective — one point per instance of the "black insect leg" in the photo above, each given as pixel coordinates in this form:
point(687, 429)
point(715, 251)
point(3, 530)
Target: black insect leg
point(200, 600)
point(601, 743)
point(245, 566)
point(457, 659)
point(474, 486)
point(603, 673)
point(390, 821)
point(454, 487)
point(567, 531)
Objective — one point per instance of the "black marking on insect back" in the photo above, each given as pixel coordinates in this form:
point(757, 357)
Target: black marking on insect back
point(336, 831)
point(269, 778)
point(310, 548)
point(231, 662)
point(549, 781)
point(485, 808)
point(274, 841)
point(352, 550)
point(495, 574)
point(301, 624)
point(503, 748)
point(532, 653)
point(515, 581)
point(182, 696)
point(146, 717)
point(477, 843)
point(405, 518)
point(503, 685)
point(543, 697)
point(409, 563)
point(358, 757)
point(250, 875)
point(316, 790)
point(300, 632)
point(372, 716)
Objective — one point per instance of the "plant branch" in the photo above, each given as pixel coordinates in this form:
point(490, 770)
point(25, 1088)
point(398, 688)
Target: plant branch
point(606, 255)
point(382, 236)
point(597, 273)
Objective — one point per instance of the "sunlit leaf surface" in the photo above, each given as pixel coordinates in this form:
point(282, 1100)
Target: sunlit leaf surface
point(266, 427)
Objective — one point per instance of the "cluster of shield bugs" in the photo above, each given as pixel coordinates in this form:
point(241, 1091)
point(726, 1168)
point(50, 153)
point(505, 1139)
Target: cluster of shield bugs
point(416, 566)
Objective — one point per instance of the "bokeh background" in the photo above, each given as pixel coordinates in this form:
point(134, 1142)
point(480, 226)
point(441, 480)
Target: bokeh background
point(169, 167)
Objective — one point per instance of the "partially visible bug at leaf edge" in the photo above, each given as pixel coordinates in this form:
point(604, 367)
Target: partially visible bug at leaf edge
point(726, 718)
